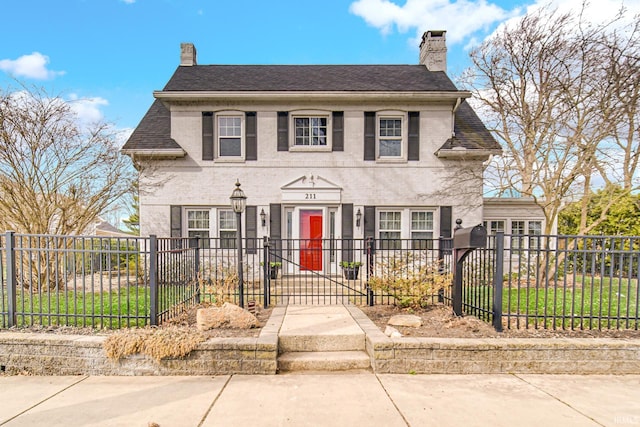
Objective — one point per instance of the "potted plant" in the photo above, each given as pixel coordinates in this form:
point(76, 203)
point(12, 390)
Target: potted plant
point(350, 269)
point(274, 266)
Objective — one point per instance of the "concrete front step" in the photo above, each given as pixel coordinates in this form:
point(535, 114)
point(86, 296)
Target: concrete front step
point(324, 361)
point(314, 329)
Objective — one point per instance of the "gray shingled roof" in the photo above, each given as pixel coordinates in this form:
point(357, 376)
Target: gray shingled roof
point(470, 132)
point(354, 78)
point(154, 131)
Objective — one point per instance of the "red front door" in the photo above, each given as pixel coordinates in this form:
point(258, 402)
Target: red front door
point(311, 240)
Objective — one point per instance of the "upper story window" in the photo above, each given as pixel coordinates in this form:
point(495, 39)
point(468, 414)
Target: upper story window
point(306, 131)
point(390, 137)
point(229, 136)
point(310, 131)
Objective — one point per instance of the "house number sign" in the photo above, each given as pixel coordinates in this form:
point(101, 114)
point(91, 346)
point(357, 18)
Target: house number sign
point(306, 196)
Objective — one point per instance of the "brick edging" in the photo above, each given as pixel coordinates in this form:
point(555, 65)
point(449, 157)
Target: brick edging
point(497, 355)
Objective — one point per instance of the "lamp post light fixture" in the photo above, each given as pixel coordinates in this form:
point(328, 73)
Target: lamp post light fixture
point(263, 218)
point(358, 218)
point(238, 204)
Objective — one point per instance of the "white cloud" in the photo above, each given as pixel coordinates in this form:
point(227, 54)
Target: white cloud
point(129, 1)
point(460, 18)
point(32, 66)
point(87, 109)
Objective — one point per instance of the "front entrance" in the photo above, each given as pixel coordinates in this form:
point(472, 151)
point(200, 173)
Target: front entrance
point(311, 239)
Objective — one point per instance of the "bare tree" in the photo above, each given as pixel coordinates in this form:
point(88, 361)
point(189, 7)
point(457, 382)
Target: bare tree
point(56, 175)
point(551, 86)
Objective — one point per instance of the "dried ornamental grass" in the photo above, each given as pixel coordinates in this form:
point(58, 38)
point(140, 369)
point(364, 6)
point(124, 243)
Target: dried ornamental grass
point(157, 343)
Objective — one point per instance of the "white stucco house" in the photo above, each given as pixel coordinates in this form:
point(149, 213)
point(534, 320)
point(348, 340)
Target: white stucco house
point(331, 151)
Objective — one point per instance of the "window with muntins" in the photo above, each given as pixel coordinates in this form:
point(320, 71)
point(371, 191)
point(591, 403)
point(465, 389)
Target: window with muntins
point(534, 228)
point(390, 229)
point(227, 229)
point(310, 131)
point(421, 230)
point(198, 225)
point(390, 137)
point(517, 230)
point(229, 136)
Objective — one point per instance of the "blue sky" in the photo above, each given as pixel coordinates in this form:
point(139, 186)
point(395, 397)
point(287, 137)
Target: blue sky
point(110, 55)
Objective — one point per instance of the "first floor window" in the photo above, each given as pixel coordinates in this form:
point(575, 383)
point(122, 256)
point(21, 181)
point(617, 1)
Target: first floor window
point(534, 228)
point(421, 230)
point(517, 230)
point(198, 225)
point(390, 137)
point(229, 136)
point(390, 226)
point(310, 131)
point(494, 226)
point(227, 229)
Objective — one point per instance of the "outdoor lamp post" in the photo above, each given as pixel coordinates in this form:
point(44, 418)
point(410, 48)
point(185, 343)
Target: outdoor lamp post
point(238, 203)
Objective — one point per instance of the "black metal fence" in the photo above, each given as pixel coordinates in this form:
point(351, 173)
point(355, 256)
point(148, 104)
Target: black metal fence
point(357, 271)
point(554, 282)
point(516, 281)
point(98, 282)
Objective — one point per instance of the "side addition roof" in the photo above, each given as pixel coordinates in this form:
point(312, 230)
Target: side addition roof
point(469, 134)
point(152, 137)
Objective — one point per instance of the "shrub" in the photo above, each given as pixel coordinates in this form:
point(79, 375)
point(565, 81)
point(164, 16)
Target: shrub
point(411, 281)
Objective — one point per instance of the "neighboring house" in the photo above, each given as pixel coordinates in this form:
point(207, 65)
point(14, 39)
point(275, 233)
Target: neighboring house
point(103, 228)
point(331, 151)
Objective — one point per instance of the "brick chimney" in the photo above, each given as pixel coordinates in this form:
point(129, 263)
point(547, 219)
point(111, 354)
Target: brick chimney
point(433, 50)
point(187, 54)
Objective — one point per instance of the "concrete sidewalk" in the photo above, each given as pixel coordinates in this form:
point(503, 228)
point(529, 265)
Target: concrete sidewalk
point(321, 400)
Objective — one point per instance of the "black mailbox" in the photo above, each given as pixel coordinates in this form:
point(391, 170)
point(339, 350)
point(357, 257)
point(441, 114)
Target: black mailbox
point(470, 237)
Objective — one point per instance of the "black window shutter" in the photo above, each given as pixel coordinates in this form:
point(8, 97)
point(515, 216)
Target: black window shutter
point(251, 136)
point(207, 135)
point(338, 131)
point(414, 136)
point(283, 131)
point(275, 231)
point(369, 221)
point(369, 135)
point(445, 221)
point(275, 218)
point(347, 232)
point(252, 229)
point(176, 221)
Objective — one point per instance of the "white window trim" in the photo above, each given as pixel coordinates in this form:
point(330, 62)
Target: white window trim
point(433, 222)
point(310, 114)
point(405, 219)
point(404, 145)
point(186, 227)
point(216, 133)
point(214, 219)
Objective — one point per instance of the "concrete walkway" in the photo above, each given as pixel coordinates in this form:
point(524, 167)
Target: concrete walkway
point(321, 400)
point(327, 399)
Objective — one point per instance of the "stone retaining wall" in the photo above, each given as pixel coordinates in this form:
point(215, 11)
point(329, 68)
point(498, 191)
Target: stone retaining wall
point(42, 354)
point(498, 355)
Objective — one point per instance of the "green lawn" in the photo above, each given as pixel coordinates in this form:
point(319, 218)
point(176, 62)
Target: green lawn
point(608, 300)
point(126, 307)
